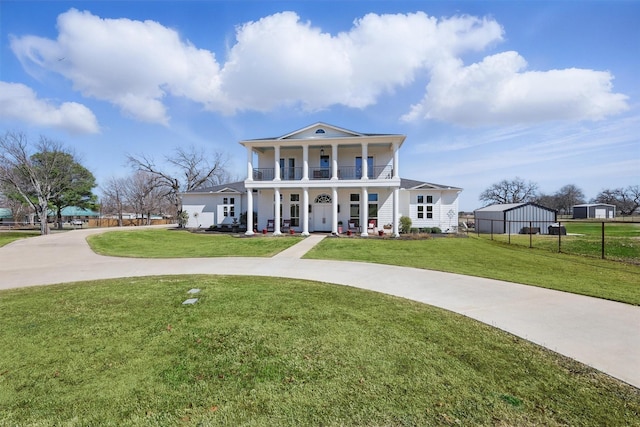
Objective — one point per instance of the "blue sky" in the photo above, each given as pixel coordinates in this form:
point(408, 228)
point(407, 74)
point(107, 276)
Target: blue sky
point(484, 90)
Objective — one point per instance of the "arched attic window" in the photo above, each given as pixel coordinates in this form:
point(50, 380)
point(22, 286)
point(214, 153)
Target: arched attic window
point(320, 131)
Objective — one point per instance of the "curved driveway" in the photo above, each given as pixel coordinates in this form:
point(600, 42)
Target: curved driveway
point(599, 333)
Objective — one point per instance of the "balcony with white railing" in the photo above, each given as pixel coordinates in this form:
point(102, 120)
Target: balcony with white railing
point(323, 173)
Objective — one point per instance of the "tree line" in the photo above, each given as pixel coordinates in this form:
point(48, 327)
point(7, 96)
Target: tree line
point(45, 176)
point(517, 190)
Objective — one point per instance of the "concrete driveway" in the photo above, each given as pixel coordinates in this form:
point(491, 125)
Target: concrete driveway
point(599, 333)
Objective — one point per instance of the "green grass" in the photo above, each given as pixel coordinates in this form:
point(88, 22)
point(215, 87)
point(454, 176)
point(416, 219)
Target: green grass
point(182, 244)
point(479, 257)
point(622, 240)
point(7, 237)
point(273, 352)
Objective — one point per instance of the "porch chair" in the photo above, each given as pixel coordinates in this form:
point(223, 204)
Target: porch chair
point(286, 225)
point(271, 225)
point(353, 226)
point(372, 226)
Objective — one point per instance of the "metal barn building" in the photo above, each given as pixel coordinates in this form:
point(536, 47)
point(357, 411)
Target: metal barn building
point(514, 218)
point(594, 210)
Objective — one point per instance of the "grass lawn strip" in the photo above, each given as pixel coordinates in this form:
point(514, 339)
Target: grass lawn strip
point(183, 244)
point(479, 257)
point(7, 237)
point(277, 352)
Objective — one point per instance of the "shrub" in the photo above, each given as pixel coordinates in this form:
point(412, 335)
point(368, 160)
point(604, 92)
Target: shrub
point(405, 224)
point(436, 230)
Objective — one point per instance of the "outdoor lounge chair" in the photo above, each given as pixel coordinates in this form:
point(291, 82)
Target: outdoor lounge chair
point(353, 227)
point(271, 225)
point(286, 225)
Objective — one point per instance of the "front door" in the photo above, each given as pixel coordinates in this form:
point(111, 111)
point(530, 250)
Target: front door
point(321, 213)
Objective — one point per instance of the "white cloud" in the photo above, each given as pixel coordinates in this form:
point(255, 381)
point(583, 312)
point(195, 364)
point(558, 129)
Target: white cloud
point(131, 64)
point(19, 102)
point(498, 90)
point(279, 61)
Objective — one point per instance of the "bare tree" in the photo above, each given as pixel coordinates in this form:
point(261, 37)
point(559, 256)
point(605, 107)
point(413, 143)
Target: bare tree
point(626, 200)
point(37, 177)
point(568, 196)
point(187, 169)
point(562, 200)
point(144, 194)
point(115, 197)
point(515, 191)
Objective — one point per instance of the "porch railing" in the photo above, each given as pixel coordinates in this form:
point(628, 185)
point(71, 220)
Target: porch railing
point(319, 173)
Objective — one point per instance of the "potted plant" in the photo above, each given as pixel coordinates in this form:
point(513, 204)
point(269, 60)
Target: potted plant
point(339, 227)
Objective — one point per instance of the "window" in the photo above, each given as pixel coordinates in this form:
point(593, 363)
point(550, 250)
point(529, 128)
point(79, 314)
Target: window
point(320, 131)
point(373, 205)
point(294, 210)
point(420, 199)
point(429, 199)
point(429, 211)
point(228, 206)
point(420, 212)
point(369, 167)
point(354, 207)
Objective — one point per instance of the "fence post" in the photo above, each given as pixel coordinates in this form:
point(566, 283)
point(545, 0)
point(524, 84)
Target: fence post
point(559, 236)
point(491, 229)
point(530, 234)
point(509, 230)
point(602, 239)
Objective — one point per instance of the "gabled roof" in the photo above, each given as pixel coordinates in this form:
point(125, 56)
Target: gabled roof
point(321, 130)
point(231, 188)
point(504, 207)
point(410, 184)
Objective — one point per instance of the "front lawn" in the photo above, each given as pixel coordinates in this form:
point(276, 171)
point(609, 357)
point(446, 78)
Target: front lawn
point(479, 257)
point(183, 244)
point(277, 352)
point(7, 237)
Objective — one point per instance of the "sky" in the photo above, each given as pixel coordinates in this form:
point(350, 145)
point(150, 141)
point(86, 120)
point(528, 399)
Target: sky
point(547, 91)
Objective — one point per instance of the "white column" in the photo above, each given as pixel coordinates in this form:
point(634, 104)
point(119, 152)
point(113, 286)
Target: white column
point(364, 212)
point(334, 161)
point(396, 212)
point(276, 205)
point(305, 162)
point(305, 211)
point(334, 206)
point(396, 173)
point(249, 231)
point(249, 163)
point(365, 161)
point(276, 153)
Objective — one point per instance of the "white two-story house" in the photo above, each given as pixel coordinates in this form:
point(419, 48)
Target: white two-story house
point(323, 178)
